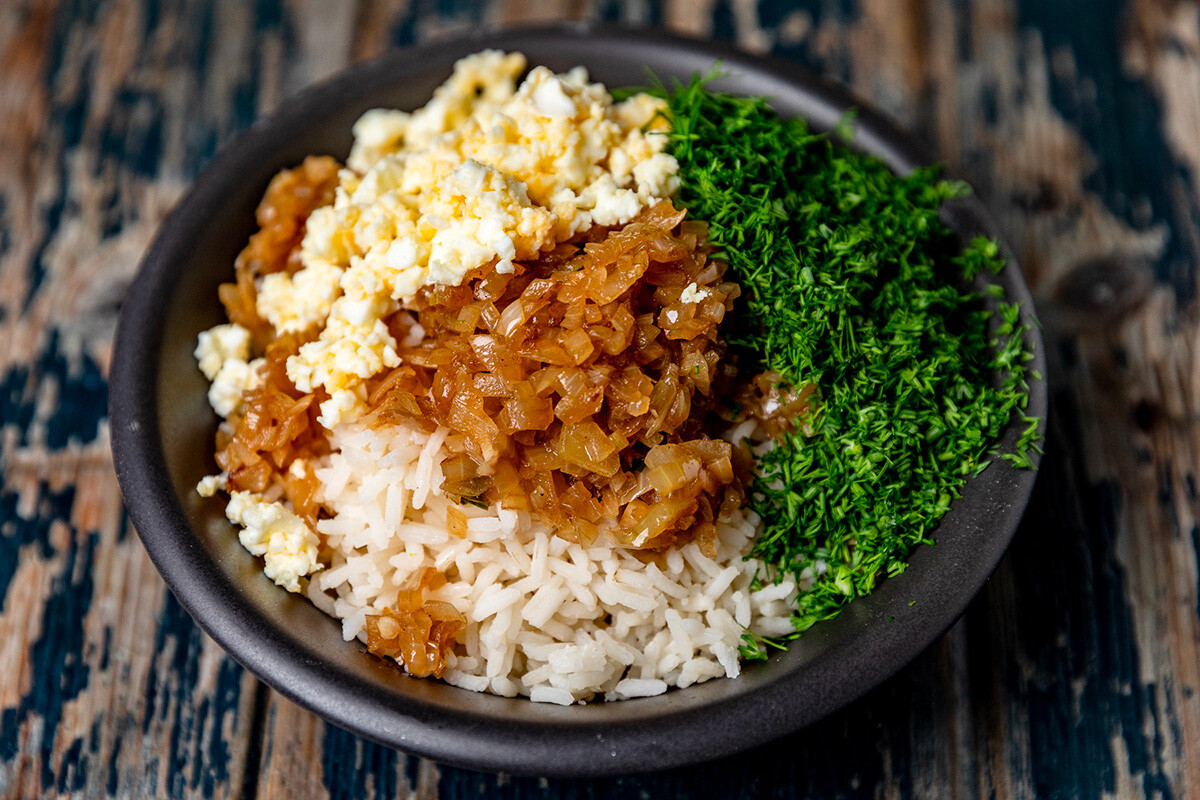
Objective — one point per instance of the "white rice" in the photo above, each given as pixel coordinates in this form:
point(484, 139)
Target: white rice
point(552, 620)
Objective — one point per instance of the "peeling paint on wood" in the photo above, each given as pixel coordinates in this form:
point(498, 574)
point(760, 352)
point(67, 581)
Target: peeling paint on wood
point(1075, 674)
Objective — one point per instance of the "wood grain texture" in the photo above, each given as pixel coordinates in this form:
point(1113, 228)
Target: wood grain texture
point(1075, 674)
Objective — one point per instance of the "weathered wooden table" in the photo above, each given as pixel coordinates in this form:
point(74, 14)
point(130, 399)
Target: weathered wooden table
point(1075, 674)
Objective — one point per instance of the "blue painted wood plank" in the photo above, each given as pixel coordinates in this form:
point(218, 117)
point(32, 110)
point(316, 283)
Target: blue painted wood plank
point(1075, 674)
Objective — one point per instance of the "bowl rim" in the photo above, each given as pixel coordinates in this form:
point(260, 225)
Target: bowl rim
point(592, 745)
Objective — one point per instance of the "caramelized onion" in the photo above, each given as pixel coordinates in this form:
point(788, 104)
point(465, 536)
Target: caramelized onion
point(564, 376)
point(417, 632)
point(282, 215)
point(577, 387)
point(775, 407)
point(276, 436)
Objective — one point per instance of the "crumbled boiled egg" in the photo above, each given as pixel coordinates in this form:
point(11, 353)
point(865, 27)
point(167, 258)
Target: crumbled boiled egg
point(656, 176)
point(478, 214)
point(209, 485)
point(480, 81)
point(551, 100)
point(230, 384)
point(296, 303)
point(221, 354)
point(345, 355)
point(217, 345)
point(286, 543)
point(342, 405)
point(693, 294)
point(378, 131)
point(488, 172)
point(608, 203)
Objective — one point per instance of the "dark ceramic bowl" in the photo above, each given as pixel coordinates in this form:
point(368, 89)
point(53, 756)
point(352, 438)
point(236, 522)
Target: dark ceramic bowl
point(163, 428)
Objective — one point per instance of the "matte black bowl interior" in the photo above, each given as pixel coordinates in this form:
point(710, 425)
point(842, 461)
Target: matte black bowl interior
point(162, 440)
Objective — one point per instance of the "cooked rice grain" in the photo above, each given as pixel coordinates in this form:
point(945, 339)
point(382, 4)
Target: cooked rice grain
point(549, 619)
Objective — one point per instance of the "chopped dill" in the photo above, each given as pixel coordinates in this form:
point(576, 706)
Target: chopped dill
point(757, 648)
point(853, 284)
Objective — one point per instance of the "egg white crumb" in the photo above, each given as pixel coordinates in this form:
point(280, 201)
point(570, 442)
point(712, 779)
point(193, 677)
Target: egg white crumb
point(692, 294)
point(490, 171)
point(269, 529)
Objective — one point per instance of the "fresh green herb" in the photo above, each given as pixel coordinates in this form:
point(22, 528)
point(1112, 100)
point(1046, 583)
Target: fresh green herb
point(854, 285)
point(756, 648)
point(753, 647)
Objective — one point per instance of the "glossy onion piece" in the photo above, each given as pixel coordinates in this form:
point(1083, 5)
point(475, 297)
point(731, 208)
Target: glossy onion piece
point(282, 215)
point(417, 632)
point(274, 440)
point(268, 445)
point(567, 381)
point(775, 407)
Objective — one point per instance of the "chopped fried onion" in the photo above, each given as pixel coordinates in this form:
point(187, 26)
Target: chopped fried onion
point(277, 434)
point(418, 632)
point(282, 215)
point(776, 408)
point(276, 437)
point(579, 384)
point(578, 387)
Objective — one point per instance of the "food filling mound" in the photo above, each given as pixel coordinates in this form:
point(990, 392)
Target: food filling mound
point(547, 393)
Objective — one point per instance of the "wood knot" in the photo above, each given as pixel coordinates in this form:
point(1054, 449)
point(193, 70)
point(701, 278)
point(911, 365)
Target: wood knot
point(1100, 291)
point(1146, 415)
